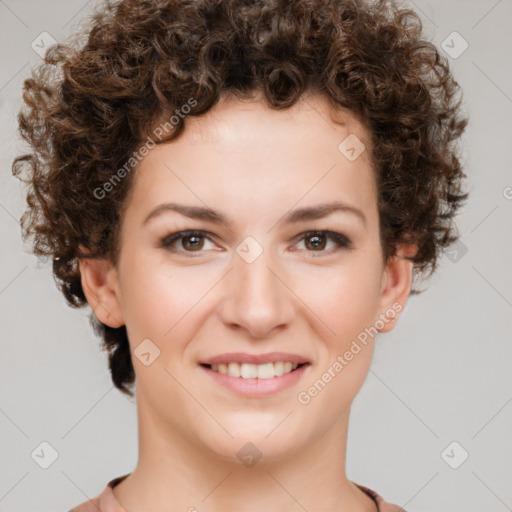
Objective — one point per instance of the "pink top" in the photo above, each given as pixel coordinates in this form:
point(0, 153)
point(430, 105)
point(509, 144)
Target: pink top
point(107, 502)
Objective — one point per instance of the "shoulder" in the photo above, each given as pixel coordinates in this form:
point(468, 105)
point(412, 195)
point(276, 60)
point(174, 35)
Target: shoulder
point(105, 502)
point(88, 506)
point(382, 504)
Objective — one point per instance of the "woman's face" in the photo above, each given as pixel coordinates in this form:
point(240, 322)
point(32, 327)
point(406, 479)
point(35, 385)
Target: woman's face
point(253, 181)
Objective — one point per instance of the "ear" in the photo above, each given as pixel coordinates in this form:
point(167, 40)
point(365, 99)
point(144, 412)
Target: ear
point(396, 286)
point(101, 288)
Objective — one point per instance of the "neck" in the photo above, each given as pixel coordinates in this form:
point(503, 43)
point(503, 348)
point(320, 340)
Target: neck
point(174, 471)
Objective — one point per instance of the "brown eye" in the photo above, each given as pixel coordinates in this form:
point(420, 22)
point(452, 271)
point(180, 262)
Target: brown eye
point(317, 241)
point(191, 241)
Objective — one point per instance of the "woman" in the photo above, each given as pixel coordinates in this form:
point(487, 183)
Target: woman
point(243, 194)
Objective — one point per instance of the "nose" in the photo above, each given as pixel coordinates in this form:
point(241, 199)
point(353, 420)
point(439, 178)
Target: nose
point(256, 297)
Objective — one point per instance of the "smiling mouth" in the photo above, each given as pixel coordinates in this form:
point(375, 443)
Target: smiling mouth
point(255, 371)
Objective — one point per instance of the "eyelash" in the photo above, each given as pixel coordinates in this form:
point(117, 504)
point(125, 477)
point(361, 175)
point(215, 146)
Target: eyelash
point(341, 241)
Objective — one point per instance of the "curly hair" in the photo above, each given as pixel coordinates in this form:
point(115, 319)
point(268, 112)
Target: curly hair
point(90, 105)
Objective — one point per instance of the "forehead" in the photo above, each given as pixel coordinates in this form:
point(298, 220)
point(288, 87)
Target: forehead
point(239, 122)
point(242, 153)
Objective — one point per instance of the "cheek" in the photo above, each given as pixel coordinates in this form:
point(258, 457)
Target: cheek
point(345, 299)
point(161, 302)
point(347, 304)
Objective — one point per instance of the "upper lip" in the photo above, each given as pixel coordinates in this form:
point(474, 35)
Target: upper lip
point(240, 357)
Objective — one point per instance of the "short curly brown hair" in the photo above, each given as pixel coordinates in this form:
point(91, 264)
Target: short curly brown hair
point(91, 105)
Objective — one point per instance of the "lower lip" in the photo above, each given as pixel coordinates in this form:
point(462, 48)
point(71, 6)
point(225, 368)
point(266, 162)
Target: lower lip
point(257, 387)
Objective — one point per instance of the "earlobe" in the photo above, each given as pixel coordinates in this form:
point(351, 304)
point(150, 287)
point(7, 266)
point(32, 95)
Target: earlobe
point(396, 286)
point(99, 282)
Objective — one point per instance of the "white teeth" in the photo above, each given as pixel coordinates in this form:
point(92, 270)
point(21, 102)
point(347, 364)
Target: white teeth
point(279, 368)
point(265, 371)
point(253, 371)
point(248, 371)
point(234, 370)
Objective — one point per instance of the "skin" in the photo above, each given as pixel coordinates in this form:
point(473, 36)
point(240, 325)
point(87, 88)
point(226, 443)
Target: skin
point(254, 165)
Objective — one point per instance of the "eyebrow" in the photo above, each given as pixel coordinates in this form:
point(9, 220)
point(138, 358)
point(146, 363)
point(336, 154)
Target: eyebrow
point(294, 216)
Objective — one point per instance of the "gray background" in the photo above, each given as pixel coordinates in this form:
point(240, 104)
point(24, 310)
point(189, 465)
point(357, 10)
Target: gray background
point(442, 375)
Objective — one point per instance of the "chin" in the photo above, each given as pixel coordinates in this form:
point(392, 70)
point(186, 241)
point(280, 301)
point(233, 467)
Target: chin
point(252, 443)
